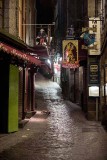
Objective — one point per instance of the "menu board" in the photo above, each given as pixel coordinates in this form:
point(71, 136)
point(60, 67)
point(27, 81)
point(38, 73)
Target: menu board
point(94, 73)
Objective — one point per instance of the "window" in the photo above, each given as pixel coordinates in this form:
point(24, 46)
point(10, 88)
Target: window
point(22, 19)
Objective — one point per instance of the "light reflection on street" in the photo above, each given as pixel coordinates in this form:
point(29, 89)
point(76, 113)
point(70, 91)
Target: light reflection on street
point(58, 131)
point(34, 120)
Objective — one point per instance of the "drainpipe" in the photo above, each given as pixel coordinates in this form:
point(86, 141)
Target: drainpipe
point(67, 13)
point(23, 98)
point(74, 85)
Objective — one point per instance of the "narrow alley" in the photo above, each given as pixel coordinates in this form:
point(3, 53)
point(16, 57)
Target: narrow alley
point(58, 131)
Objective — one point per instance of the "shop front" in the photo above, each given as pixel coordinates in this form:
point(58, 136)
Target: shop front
point(17, 70)
point(103, 87)
point(74, 72)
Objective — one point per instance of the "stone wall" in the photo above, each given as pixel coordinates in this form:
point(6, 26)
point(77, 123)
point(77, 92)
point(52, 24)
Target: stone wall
point(91, 8)
point(10, 17)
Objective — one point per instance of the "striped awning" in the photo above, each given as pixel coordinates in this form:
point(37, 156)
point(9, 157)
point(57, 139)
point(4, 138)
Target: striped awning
point(21, 55)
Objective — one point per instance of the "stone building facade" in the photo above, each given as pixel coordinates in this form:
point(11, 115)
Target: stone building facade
point(17, 35)
point(76, 84)
point(103, 65)
point(14, 15)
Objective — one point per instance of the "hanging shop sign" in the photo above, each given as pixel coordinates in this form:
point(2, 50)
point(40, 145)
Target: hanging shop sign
point(14, 52)
point(41, 38)
point(89, 39)
point(70, 54)
point(92, 36)
point(70, 33)
point(95, 24)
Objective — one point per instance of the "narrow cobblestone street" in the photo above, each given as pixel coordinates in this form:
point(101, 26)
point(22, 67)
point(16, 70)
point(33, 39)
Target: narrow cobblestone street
point(58, 131)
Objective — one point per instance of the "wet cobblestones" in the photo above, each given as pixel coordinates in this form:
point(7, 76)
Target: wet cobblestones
point(64, 134)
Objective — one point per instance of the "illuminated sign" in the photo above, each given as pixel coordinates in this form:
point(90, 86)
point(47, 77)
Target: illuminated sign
point(70, 54)
point(94, 91)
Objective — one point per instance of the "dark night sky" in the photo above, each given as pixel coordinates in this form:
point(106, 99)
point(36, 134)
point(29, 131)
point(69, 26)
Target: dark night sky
point(45, 11)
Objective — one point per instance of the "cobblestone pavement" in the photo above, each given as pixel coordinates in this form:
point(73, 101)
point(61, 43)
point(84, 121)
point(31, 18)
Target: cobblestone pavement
point(58, 131)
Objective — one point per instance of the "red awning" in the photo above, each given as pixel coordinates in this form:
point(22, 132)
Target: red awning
point(40, 51)
point(14, 52)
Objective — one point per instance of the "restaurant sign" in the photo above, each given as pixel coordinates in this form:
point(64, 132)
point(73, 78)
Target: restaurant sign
point(14, 52)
